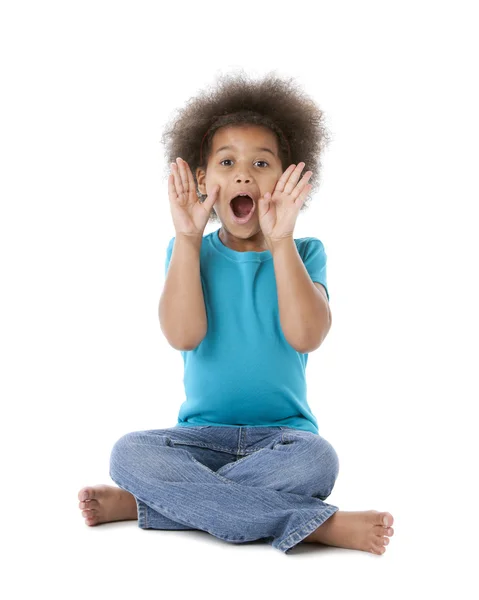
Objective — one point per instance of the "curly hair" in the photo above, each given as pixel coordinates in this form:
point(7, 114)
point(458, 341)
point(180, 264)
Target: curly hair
point(273, 102)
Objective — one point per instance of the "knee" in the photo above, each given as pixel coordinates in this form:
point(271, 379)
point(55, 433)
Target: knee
point(330, 457)
point(326, 463)
point(329, 468)
point(122, 452)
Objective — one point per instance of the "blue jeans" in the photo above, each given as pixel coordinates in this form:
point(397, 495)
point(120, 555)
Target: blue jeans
point(237, 483)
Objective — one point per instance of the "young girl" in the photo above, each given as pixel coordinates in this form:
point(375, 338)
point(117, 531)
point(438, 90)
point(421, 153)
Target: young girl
point(244, 305)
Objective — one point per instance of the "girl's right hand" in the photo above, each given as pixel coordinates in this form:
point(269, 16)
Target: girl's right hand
point(190, 216)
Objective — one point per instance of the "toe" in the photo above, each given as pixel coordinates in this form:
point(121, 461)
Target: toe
point(387, 519)
point(88, 493)
point(91, 520)
point(85, 494)
point(88, 504)
point(378, 544)
point(89, 511)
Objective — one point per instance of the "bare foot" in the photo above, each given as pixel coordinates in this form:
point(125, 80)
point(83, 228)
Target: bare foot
point(105, 503)
point(364, 530)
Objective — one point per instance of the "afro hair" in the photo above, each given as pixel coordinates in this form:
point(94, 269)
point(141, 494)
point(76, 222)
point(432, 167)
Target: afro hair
point(274, 102)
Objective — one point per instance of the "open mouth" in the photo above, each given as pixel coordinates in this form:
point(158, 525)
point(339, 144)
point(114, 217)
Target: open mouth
point(242, 209)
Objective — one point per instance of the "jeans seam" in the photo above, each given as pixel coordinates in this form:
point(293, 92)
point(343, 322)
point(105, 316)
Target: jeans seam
point(206, 446)
point(253, 451)
point(220, 477)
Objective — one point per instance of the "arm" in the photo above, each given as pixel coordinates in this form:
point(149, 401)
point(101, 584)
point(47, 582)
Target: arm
point(304, 308)
point(182, 309)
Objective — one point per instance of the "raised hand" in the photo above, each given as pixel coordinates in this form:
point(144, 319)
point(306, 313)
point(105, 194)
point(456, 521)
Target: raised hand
point(190, 216)
point(277, 212)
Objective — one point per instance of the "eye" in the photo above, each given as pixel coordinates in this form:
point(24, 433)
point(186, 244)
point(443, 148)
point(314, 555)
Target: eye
point(261, 161)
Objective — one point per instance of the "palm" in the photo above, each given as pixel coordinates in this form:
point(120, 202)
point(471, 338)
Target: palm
point(278, 217)
point(278, 212)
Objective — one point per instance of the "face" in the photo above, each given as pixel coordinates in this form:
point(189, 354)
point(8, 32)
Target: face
point(250, 163)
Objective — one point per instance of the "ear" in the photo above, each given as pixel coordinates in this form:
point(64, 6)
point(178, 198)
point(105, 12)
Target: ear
point(200, 178)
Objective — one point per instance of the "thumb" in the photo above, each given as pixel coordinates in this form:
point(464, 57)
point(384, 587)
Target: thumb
point(212, 198)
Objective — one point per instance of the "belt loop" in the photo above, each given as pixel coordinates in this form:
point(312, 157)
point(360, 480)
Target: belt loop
point(240, 440)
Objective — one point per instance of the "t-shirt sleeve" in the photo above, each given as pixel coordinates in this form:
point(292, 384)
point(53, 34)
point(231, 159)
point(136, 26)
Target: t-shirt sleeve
point(169, 252)
point(315, 259)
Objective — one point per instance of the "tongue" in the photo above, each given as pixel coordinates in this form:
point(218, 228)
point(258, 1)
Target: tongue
point(242, 206)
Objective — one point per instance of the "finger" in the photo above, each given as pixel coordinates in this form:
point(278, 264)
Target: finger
point(177, 179)
point(211, 198)
point(171, 186)
point(294, 178)
point(284, 178)
point(301, 185)
point(189, 174)
point(302, 197)
point(183, 175)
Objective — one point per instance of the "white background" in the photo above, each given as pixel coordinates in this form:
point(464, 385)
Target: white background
point(87, 88)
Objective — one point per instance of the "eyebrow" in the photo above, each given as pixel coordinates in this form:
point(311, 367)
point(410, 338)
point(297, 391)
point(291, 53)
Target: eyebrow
point(256, 148)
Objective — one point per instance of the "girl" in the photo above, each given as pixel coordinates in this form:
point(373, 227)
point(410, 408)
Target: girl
point(244, 305)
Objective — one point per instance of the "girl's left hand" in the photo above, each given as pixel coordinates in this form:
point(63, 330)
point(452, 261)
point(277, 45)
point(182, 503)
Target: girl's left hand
point(278, 212)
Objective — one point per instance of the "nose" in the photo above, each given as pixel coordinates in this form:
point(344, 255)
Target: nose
point(244, 179)
point(243, 172)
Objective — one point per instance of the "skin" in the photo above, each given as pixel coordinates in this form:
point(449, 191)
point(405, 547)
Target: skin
point(242, 169)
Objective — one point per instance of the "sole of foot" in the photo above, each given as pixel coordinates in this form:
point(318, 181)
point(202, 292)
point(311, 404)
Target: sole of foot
point(367, 530)
point(106, 503)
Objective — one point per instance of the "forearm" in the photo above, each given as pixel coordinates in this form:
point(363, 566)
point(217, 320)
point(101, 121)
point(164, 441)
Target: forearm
point(182, 309)
point(304, 312)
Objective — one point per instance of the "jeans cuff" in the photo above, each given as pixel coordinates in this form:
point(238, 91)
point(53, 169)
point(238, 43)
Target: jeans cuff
point(298, 536)
point(142, 509)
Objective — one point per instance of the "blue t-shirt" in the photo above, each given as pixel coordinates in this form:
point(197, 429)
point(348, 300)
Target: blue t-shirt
point(244, 372)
